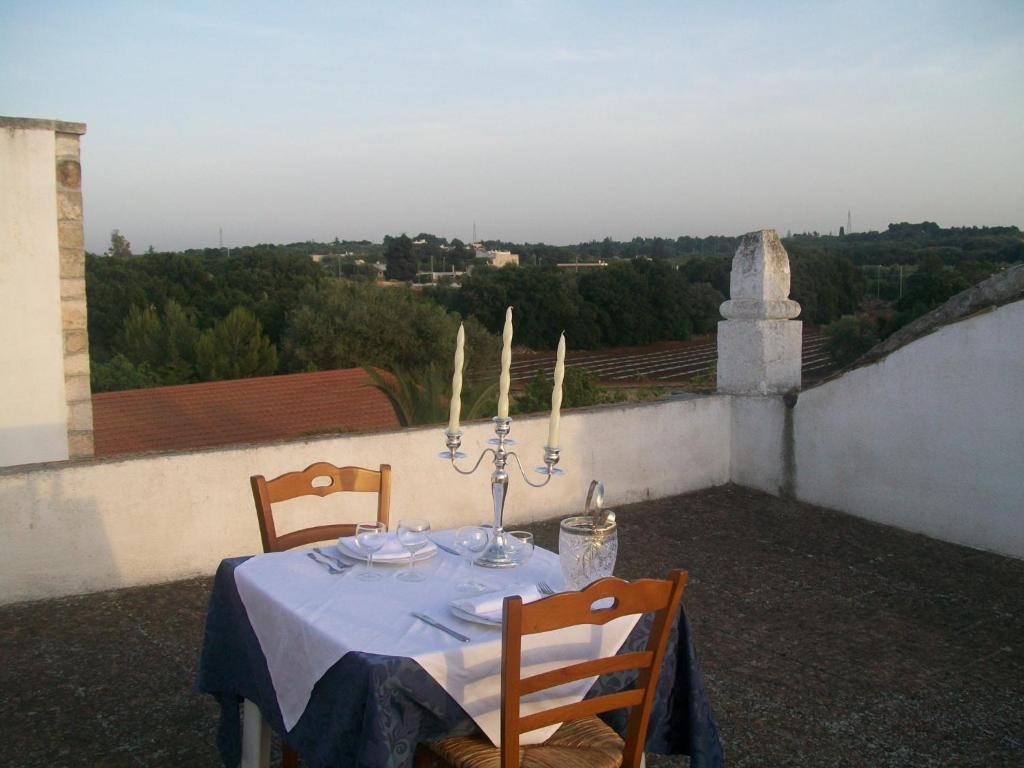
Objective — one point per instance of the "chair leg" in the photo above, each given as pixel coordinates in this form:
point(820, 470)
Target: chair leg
point(289, 757)
point(424, 757)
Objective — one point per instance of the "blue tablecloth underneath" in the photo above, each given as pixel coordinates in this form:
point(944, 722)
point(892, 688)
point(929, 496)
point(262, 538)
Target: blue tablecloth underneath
point(370, 711)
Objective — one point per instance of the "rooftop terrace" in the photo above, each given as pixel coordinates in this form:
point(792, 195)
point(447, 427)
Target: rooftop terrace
point(825, 640)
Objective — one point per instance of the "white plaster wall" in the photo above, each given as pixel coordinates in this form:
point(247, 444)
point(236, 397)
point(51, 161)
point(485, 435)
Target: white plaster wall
point(758, 428)
point(930, 439)
point(33, 411)
point(94, 525)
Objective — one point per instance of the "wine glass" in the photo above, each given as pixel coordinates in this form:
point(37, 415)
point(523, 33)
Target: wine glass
point(521, 546)
point(412, 534)
point(470, 541)
point(370, 537)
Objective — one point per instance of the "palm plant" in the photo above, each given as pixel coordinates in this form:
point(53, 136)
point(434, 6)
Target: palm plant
point(423, 397)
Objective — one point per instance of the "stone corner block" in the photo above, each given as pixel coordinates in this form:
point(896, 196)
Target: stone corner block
point(80, 416)
point(759, 357)
point(81, 444)
point(77, 387)
point(67, 145)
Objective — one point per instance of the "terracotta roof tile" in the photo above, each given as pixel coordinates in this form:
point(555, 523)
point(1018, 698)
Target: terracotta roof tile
point(239, 411)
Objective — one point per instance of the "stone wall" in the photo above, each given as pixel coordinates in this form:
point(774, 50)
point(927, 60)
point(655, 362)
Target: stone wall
point(70, 237)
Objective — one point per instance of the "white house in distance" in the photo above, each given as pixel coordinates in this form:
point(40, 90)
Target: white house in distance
point(496, 258)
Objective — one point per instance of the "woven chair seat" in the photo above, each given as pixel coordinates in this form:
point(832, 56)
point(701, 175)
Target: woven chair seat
point(583, 743)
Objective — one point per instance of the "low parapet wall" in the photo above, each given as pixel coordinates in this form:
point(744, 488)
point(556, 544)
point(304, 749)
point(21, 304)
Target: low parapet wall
point(83, 526)
point(929, 438)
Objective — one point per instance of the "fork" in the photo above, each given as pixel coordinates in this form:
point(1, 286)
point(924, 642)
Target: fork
point(544, 588)
point(338, 562)
point(330, 568)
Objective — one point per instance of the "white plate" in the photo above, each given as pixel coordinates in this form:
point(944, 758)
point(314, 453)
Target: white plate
point(472, 617)
point(355, 554)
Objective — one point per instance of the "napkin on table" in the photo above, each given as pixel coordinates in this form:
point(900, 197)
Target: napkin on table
point(490, 605)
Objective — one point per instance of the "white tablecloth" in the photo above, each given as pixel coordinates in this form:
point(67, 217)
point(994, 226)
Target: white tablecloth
point(306, 619)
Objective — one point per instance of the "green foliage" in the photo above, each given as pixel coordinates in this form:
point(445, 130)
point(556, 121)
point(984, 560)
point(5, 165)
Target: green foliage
point(121, 373)
point(119, 248)
point(580, 388)
point(825, 285)
point(849, 337)
point(167, 344)
point(905, 243)
point(927, 287)
point(416, 398)
point(399, 256)
point(424, 397)
point(626, 303)
point(703, 302)
point(343, 325)
point(207, 286)
point(637, 302)
point(235, 348)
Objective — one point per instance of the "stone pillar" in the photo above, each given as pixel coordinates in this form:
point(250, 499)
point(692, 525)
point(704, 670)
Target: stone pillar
point(46, 408)
point(759, 343)
point(71, 241)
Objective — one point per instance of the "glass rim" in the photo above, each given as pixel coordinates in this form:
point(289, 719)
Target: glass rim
point(586, 525)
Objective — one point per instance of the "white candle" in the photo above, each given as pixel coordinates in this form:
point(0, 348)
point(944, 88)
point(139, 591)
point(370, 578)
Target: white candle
point(556, 395)
point(505, 379)
point(456, 407)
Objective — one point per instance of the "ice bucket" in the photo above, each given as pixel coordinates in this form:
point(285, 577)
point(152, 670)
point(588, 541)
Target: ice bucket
point(587, 550)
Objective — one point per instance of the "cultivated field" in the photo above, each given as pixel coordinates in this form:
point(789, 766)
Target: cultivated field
point(667, 363)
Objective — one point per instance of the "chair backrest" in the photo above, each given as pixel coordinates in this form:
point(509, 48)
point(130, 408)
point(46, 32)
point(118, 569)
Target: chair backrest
point(294, 484)
point(571, 608)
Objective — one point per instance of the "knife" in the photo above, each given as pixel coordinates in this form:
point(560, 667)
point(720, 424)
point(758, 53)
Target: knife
point(446, 548)
point(437, 625)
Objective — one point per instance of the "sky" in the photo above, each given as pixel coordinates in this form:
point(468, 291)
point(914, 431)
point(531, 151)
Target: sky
point(558, 122)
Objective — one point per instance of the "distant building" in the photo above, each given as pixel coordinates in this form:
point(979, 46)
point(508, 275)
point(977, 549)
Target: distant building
point(577, 265)
point(319, 257)
point(498, 258)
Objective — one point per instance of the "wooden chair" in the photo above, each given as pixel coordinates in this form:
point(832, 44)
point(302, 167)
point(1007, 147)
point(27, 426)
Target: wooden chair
point(294, 484)
point(583, 740)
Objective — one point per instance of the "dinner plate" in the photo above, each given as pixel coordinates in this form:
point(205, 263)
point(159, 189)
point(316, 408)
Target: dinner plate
point(356, 554)
point(467, 616)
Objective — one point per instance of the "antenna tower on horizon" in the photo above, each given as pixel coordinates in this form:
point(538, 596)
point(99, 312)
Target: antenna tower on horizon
point(849, 222)
point(474, 230)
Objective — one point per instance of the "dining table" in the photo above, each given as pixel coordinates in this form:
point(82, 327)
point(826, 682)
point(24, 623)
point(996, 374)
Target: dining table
point(343, 670)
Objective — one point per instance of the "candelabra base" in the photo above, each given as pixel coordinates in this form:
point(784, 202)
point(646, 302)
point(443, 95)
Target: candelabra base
point(497, 554)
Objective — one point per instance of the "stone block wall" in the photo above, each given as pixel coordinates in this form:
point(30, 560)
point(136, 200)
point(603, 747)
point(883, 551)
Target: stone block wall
point(70, 238)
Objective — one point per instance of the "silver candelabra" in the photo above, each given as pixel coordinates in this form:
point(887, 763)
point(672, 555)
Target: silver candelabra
point(498, 553)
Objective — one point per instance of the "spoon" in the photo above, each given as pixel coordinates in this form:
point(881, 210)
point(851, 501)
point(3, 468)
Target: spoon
point(595, 502)
point(595, 498)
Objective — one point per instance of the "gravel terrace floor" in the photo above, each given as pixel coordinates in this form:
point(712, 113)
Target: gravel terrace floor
point(825, 641)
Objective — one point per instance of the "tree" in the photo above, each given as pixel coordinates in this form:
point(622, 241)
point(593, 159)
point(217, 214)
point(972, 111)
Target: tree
point(849, 337)
point(400, 258)
point(120, 248)
point(121, 373)
point(703, 303)
point(167, 344)
point(580, 388)
point(459, 254)
point(343, 325)
point(235, 348)
point(425, 397)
